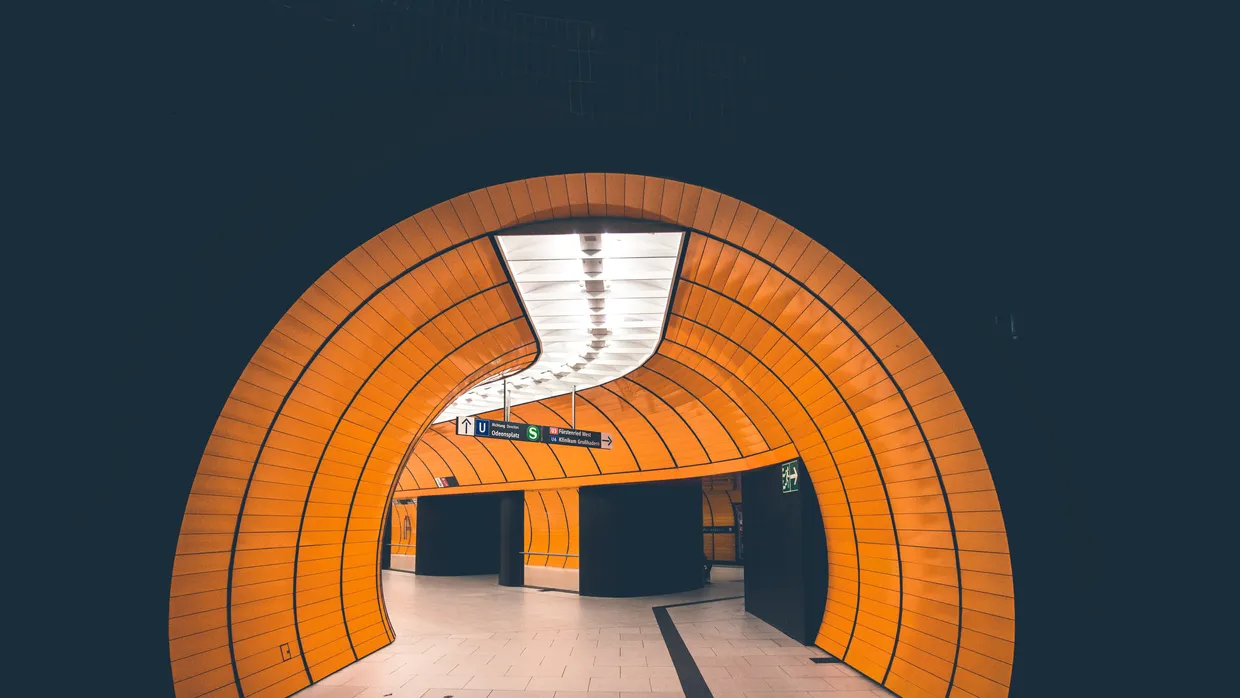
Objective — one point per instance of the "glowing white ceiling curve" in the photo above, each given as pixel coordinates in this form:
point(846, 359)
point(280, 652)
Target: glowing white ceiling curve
point(597, 302)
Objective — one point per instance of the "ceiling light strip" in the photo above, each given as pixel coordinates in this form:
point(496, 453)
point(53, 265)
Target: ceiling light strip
point(597, 302)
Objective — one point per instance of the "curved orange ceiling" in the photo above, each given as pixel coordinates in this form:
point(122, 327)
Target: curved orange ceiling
point(773, 348)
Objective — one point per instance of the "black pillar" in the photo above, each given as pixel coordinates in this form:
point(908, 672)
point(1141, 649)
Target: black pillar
point(458, 534)
point(511, 539)
point(785, 553)
point(385, 550)
point(641, 540)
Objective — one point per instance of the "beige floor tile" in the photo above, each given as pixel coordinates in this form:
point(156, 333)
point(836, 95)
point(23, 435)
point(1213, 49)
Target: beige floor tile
point(776, 660)
point(851, 683)
point(739, 651)
point(620, 661)
point(436, 681)
point(713, 660)
point(591, 671)
point(663, 684)
point(537, 670)
point(380, 691)
point(620, 684)
point(492, 683)
point(587, 694)
point(440, 667)
point(522, 694)
point(820, 671)
point(321, 690)
point(765, 644)
point(618, 643)
point(559, 683)
point(454, 693)
point(337, 679)
point(801, 651)
point(386, 680)
point(846, 670)
point(644, 650)
point(482, 670)
point(773, 672)
point(798, 684)
point(648, 672)
point(745, 684)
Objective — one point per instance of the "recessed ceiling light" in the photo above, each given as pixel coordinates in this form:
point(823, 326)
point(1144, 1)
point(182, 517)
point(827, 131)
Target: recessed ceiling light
point(597, 302)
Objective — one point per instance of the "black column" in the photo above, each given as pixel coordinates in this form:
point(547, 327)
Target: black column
point(640, 540)
point(511, 539)
point(785, 553)
point(458, 535)
point(385, 550)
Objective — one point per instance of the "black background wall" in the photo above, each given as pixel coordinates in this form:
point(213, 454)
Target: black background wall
point(204, 163)
point(785, 553)
point(458, 535)
point(640, 540)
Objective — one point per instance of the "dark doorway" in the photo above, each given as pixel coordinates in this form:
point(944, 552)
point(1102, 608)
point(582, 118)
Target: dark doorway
point(458, 535)
point(785, 550)
point(641, 540)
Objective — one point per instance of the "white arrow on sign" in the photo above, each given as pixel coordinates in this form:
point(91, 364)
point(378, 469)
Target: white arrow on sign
point(465, 426)
point(605, 440)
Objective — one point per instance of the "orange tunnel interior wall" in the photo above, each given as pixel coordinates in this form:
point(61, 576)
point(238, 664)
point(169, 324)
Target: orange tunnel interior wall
point(773, 348)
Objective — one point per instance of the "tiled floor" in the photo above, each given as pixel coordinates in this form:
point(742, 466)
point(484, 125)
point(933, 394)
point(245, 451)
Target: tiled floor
point(467, 637)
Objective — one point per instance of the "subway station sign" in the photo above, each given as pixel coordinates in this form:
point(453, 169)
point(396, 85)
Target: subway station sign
point(534, 433)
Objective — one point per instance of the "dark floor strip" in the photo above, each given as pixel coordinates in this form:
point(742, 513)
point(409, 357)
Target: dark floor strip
point(691, 680)
point(694, 603)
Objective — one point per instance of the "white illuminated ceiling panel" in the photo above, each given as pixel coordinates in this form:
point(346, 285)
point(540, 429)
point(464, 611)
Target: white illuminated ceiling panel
point(597, 302)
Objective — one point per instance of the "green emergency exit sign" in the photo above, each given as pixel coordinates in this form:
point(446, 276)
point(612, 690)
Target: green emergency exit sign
point(788, 477)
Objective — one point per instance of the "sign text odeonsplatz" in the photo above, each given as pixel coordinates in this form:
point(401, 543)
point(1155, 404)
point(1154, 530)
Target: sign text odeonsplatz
point(535, 433)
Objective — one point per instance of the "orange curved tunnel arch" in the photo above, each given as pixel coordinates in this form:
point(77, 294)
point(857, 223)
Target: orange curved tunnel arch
point(773, 348)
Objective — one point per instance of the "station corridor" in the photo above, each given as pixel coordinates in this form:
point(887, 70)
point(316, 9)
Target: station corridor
point(600, 384)
point(466, 637)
